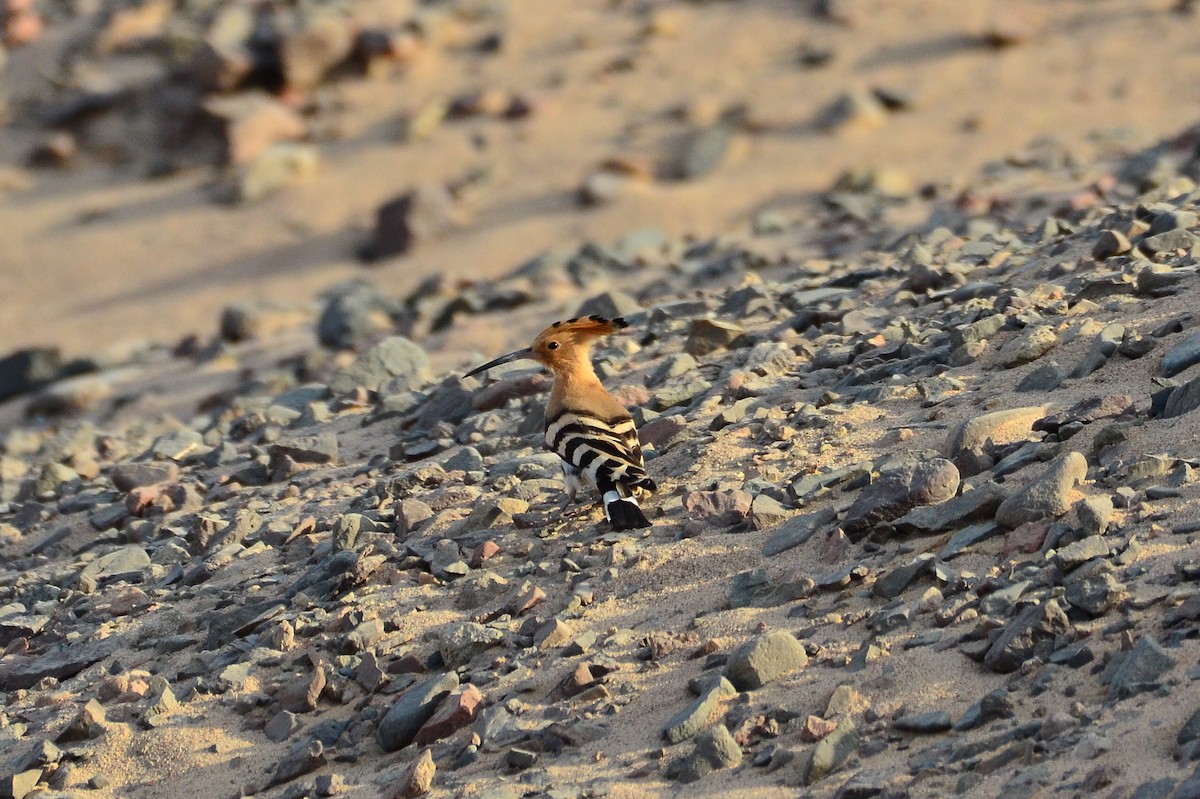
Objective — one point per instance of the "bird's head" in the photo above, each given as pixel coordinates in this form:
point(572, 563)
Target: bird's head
point(562, 345)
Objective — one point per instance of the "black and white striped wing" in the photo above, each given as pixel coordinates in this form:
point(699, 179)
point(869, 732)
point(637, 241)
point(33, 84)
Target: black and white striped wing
point(604, 451)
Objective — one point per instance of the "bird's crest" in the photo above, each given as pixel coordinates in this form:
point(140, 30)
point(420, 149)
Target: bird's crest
point(578, 331)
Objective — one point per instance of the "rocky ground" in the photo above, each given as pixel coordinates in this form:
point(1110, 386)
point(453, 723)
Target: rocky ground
point(925, 527)
point(926, 450)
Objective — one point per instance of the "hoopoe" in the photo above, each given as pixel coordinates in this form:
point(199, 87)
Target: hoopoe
point(592, 433)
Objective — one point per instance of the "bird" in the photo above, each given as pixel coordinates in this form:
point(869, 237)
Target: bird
point(591, 432)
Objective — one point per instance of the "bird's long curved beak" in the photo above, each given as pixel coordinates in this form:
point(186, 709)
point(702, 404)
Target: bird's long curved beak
point(503, 359)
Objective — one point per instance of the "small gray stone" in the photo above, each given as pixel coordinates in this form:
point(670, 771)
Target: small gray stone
point(766, 512)
point(968, 537)
point(391, 359)
point(282, 725)
point(462, 642)
point(1029, 346)
point(1082, 551)
point(1046, 377)
point(700, 713)
point(320, 448)
point(749, 588)
point(466, 459)
point(765, 659)
point(128, 476)
point(1093, 589)
point(832, 751)
point(705, 150)
point(715, 750)
point(1094, 514)
point(129, 560)
point(423, 214)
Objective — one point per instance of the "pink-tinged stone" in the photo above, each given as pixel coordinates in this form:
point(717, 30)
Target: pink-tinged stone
point(1027, 538)
point(718, 508)
point(455, 712)
point(484, 552)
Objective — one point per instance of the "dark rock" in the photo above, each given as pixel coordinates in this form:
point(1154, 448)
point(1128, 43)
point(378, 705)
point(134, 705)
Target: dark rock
point(320, 448)
point(1190, 731)
point(20, 784)
point(995, 705)
point(282, 725)
point(765, 659)
point(27, 370)
point(797, 530)
point(610, 305)
point(304, 758)
point(1046, 377)
point(1181, 400)
point(968, 537)
point(356, 312)
point(709, 335)
point(1030, 634)
point(1085, 412)
point(87, 724)
point(893, 583)
point(1093, 589)
point(933, 721)
point(1138, 670)
point(424, 214)
point(766, 512)
point(896, 492)
point(301, 694)
point(128, 476)
point(1110, 243)
point(414, 707)
point(1182, 356)
point(454, 713)
point(980, 503)
point(61, 662)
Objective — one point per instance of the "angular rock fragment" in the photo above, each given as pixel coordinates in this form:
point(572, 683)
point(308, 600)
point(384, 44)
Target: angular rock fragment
point(1050, 494)
point(764, 660)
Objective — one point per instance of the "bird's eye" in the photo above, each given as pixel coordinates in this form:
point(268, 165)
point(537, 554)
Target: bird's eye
point(553, 345)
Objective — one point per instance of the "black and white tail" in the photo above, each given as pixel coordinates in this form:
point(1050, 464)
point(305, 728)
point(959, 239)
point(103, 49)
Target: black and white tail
point(606, 454)
point(623, 513)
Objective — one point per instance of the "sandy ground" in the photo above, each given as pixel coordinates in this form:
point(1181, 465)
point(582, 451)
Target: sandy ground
point(95, 255)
